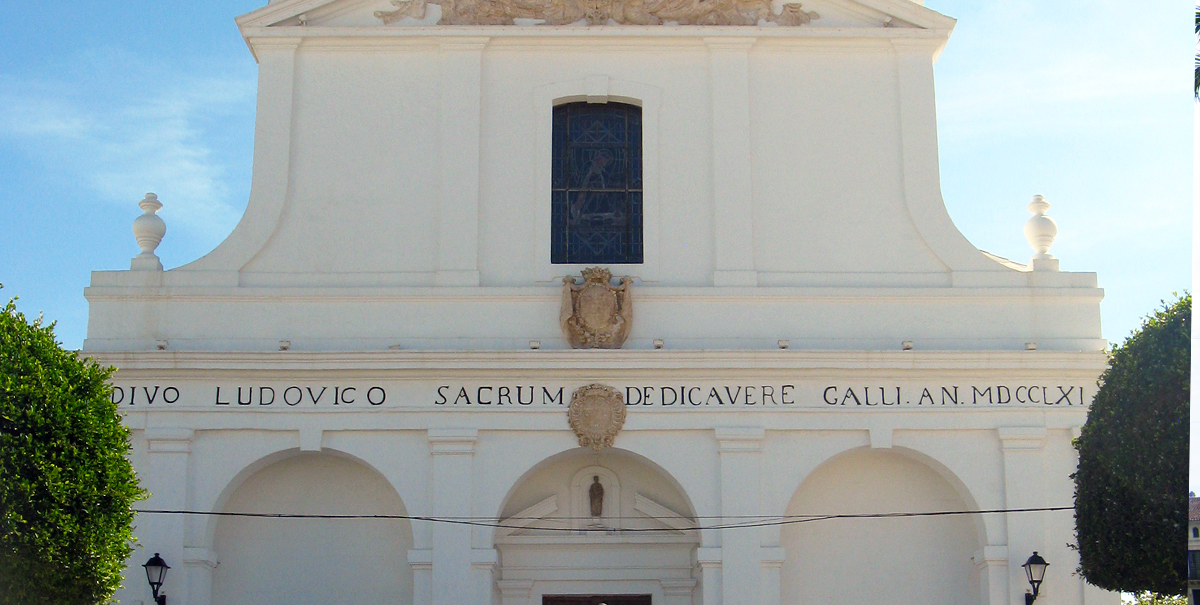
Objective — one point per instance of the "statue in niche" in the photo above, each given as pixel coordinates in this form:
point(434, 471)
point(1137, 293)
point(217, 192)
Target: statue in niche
point(596, 497)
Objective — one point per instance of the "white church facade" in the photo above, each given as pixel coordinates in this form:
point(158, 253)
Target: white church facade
point(565, 302)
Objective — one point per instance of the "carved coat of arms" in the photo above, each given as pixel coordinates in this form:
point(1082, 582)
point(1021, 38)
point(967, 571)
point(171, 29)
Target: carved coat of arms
point(595, 314)
point(596, 414)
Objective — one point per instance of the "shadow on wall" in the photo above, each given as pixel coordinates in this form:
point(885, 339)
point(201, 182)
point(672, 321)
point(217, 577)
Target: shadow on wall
point(903, 561)
point(328, 561)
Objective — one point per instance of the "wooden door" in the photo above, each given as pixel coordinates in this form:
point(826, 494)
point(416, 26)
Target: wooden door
point(604, 599)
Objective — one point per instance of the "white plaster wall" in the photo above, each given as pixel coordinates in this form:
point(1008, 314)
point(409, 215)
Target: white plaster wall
point(907, 561)
point(363, 192)
point(344, 561)
point(828, 192)
point(363, 188)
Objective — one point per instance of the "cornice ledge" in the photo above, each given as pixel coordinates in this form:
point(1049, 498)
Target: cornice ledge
point(253, 33)
point(540, 293)
point(570, 359)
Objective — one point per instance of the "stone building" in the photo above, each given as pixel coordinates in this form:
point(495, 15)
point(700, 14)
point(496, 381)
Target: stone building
point(771, 354)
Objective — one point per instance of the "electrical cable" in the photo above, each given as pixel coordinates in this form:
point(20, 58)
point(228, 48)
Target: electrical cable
point(751, 521)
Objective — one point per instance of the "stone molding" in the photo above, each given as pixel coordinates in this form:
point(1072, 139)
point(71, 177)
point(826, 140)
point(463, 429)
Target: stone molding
point(678, 586)
point(484, 558)
point(772, 557)
point(990, 556)
point(169, 440)
point(203, 557)
point(518, 589)
point(740, 439)
point(452, 441)
point(709, 557)
point(421, 559)
point(1022, 437)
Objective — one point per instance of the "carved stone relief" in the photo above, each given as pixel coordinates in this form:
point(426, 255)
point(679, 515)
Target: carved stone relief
point(595, 314)
point(603, 12)
point(596, 414)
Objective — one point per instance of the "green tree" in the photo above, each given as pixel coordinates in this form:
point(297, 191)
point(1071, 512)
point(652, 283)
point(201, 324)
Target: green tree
point(66, 485)
point(1131, 490)
point(1151, 598)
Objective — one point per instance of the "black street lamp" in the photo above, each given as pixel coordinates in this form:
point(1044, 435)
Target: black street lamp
point(1035, 570)
point(156, 572)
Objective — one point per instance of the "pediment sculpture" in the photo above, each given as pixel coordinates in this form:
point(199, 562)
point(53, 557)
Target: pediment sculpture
point(596, 314)
point(603, 12)
point(596, 414)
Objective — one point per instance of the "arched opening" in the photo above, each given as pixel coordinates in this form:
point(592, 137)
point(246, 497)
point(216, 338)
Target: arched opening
point(585, 524)
point(264, 561)
point(900, 560)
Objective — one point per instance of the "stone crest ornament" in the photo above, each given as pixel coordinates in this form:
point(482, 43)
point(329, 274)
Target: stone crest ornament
point(595, 314)
point(602, 12)
point(596, 414)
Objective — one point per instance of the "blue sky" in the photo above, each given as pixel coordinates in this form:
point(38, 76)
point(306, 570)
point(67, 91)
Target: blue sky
point(1088, 103)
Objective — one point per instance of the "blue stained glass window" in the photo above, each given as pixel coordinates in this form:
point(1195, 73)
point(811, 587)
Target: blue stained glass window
point(596, 184)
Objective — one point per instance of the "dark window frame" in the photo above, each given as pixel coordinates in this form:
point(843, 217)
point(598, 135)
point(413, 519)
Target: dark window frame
point(596, 194)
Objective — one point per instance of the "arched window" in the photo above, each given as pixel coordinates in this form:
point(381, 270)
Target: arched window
point(596, 184)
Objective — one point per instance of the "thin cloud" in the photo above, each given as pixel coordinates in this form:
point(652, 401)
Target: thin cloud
point(120, 148)
point(1038, 77)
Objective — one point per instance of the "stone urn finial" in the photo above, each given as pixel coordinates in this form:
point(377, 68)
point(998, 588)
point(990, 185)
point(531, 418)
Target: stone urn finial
point(1040, 231)
point(149, 230)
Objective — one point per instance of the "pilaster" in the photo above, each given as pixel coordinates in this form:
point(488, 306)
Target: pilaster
point(453, 452)
point(483, 570)
point(1023, 451)
point(992, 563)
point(458, 212)
point(772, 561)
point(166, 477)
point(740, 450)
point(708, 558)
point(198, 565)
point(732, 174)
point(421, 562)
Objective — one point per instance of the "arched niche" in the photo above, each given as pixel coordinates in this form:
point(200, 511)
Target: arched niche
point(901, 560)
point(643, 542)
point(264, 561)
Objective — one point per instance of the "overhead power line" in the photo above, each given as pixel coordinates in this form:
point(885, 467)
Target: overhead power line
point(746, 521)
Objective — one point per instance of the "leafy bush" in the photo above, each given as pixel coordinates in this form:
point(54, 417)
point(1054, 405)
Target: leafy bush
point(66, 486)
point(1131, 504)
point(1150, 598)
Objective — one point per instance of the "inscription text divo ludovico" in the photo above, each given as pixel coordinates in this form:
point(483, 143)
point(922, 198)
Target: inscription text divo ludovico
point(433, 395)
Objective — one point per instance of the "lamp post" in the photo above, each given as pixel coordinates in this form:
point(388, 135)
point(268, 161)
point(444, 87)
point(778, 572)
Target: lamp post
point(1035, 570)
point(156, 572)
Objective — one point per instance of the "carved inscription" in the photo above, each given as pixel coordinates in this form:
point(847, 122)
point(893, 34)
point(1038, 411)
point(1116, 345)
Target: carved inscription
point(557, 396)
